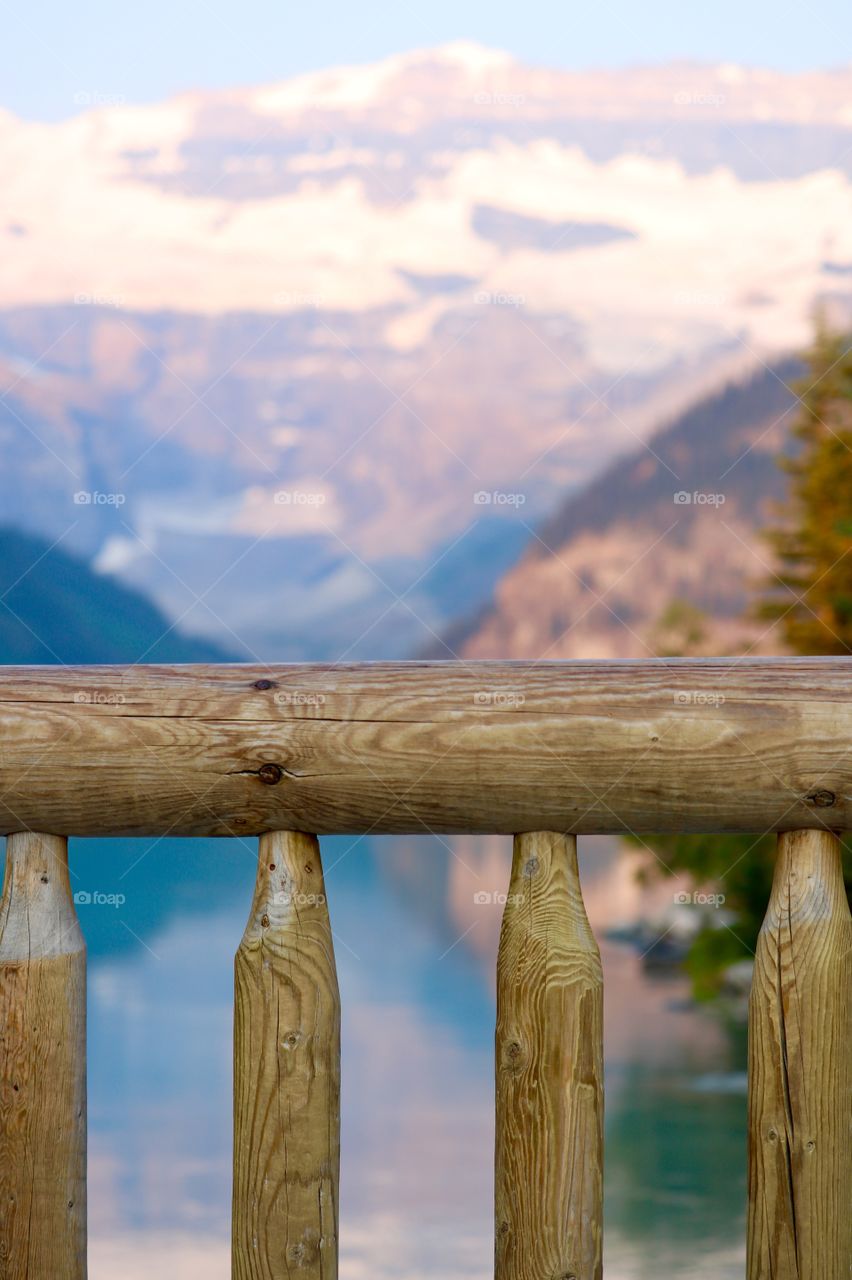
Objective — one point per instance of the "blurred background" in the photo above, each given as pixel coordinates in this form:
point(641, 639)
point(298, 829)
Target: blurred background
point(459, 332)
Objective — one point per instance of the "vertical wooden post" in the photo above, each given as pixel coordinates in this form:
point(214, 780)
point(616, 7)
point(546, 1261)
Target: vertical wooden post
point(286, 1072)
point(549, 1062)
point(800, 1070)
point(42, 1066)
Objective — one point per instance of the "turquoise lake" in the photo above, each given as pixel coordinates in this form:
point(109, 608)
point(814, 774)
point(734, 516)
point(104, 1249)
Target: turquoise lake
point(415, 954)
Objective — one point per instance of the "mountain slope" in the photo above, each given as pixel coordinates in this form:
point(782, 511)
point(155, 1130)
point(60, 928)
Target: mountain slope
point(624, 568)
point(54, 609)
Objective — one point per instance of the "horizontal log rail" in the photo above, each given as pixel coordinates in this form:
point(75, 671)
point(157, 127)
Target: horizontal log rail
point(544, 751)
point(588, 747)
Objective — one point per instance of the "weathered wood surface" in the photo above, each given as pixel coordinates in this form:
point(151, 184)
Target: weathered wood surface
point(549, 1071)
point(286, 1072)
point(800, 1070)
point(686, 745)
point(42, 1066)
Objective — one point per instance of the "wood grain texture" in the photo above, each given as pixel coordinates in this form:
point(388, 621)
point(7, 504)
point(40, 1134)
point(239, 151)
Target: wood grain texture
point(800, 1070)
point(42, 1066)
point(549, 1071)
point(665, 745)
point(286, 1072)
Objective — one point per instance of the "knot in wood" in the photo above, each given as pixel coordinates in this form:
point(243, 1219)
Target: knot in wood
point(514, 1056)
point(300, 1254)
point(270, 774)
point(821, 798)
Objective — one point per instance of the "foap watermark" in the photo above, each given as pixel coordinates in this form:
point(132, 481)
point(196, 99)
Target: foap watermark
point(299, 298)
point(698, 899)
point(115, 300)
point(299, 498)
point(285, 899)
point(484, 897)
point(97, 98)
point(688, 98)
point(93, 498)
point(498, 698)
point(701, 298)
point(698, 498)
point(294, 698)
point(698, 698)
point(499, 298)
point(95, 898)
point(499, 98)
point(498, 498)
point(100, 697)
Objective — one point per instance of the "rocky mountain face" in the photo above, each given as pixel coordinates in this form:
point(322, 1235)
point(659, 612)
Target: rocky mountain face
point(664, 552)
point(305, 362)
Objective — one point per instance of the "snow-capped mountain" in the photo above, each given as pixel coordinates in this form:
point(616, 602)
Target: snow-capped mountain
point(320, 345)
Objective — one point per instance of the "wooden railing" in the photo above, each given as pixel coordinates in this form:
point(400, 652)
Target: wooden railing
point(543, 751)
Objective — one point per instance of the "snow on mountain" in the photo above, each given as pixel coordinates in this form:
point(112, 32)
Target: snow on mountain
point(105, 206)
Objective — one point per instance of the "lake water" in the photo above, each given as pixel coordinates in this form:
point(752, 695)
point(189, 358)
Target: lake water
point(415, 955)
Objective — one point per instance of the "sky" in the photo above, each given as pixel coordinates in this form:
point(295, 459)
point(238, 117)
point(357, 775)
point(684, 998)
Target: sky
point(55, 55)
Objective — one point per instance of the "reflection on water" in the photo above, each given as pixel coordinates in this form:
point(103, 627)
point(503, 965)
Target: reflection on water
point(416, 954)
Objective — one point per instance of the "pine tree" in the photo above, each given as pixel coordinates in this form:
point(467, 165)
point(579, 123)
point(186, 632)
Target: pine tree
point(811, 597)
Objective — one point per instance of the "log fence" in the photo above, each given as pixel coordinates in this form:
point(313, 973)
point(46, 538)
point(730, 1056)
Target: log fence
point(542, 751)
